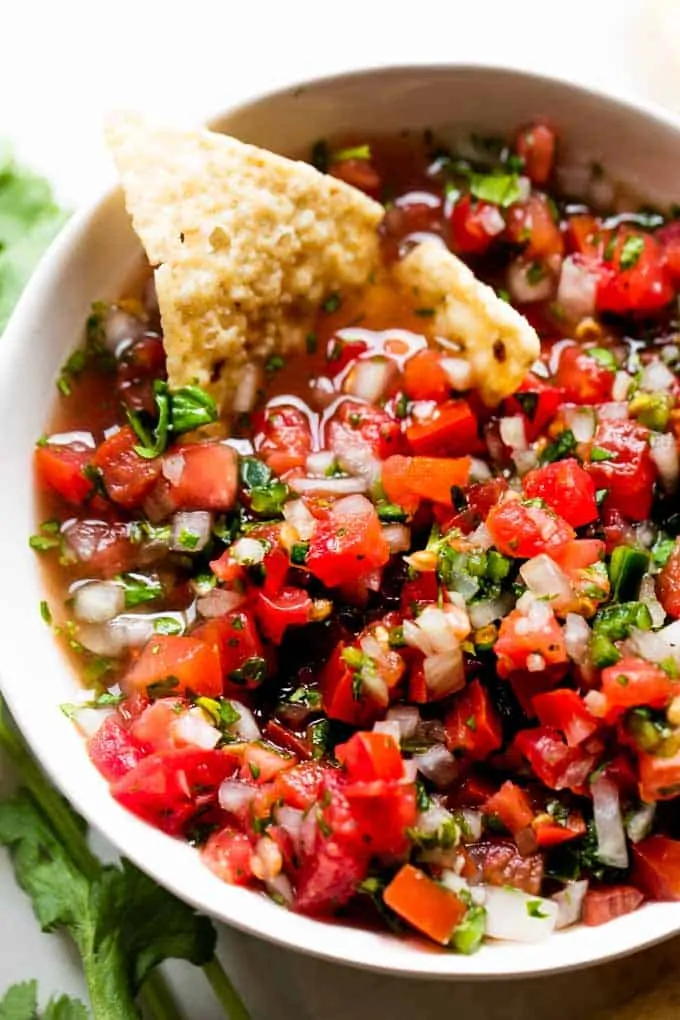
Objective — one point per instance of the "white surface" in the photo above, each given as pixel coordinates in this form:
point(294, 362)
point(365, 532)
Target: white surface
point(64, 65)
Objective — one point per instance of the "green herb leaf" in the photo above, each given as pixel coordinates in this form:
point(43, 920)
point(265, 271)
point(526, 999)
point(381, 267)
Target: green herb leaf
point(535, 909)
point(603, 357)
point(563, 446)
point(332, 303)
point(268, 499)
point(632, 249)
point(500, 189)
point(254, 473)
point(253, 670)
point(20, 1002)
point(139, 589)
point(469, 935)
point(190, 408)
point(179, 411)
point(357, 152)
point(390, 513)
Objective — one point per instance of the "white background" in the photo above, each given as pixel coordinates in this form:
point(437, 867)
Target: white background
point(62, 66)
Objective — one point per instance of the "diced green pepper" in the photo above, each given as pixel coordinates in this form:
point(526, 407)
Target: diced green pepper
point(626, 569)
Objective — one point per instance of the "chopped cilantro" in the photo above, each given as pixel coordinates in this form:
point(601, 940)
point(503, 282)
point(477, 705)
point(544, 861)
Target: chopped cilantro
point(254, 473)
point(306, 697)
point(252, 671)
point(220, 710)
point(104, 700)
point(177, 412)
point(632, 249)
point(598, 453)
point(356, 152)
point(500, 189)
point(139, 589)
point(563, 446)
point(332, 303)
point(274, 364)
point(603, 357)
point(535, 909)
point(312, 342)
point(46, 612)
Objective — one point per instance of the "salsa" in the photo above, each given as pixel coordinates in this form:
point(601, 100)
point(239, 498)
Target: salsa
point(370, 645)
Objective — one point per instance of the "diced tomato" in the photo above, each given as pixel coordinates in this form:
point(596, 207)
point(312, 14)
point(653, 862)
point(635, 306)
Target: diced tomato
point(103, 548)
point(207, 476)
point(564, 710)
point(357, 429)
point(284, 440)
point(236, 640)
point(668, 584)
point(300, 786)
point(424, 377)
point(551, 833)
point(177, 665)
point(629, 474)
point(62, 469)
point(536, 145)
point(531, 224)
point(154, 726)
point(659, 776)
point(585, 235)
point(340, 353)
point(228, 854)
point(511, 805)
point(425, 904)
point(127, 477)
point(474, 225)
point(340, 699)
point(418, 591)
point(566, 488)
point(292, 607)
point(522, 640)
point(537, 401)
point(142, 362)
point(669, 238)
point(473, 791)
point(169, 787)
point(370, 756)
point(408, 480)
point(558, 766)
point(260, 764)
point(523, 531)
point(635, 279)
point(114, 751)
point(578, 555)
point(632, 682)
point(348, 544)
point(583, 379)
point(656, 867)
point(383, 811)
point(605, 904)
point(473, 725)
point(452, 430)
point(287, 739)
point(359, 173)
point(499, 862)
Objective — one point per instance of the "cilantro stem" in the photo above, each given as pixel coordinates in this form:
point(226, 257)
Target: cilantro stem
point(225, 993)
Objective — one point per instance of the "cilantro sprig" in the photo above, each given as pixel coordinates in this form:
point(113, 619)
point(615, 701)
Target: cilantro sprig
point(178, 411)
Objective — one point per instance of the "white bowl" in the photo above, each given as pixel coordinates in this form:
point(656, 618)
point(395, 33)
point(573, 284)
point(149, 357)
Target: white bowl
point(91, 260)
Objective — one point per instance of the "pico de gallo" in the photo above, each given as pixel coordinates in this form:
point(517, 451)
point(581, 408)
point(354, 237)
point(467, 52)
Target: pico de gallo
point(378, 650)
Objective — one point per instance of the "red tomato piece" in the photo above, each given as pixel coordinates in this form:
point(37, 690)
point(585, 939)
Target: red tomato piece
point(339, 697)
point(138, 366)
point(566, 488)
point(105, 549)
point(424, 377)
point(194, 665)
point(62, 469)
point(668, 584)
point(154, 726)
point(208, 476)
point(564, 710)
point(340, 353)
point(583, 379)
point(370, 756)
point(300, 786)
point(359, 173)
point(669, 238)
point(659, 776)
point(578, 555)
point(656, 867)
point(474, 225)
point(635, 279)
point(524, 531)
point(552, 833)
point(166, 789)
point(531, 224)
point(603, 905)
point(417, 592)
point(558, 766)
point(523, 639)
point(408, 480)
point(536, 145)
point(228, 854)
point(128, 478)
point(292, 607)
point(511, 805)
point(113, 750)
point(236, 640)
point(383, 812)
point(357, 428)
point(473, 725)
point(499, 862)
point(632, 682)
point(629, 473)
point(585, 235)
point(260, 764)
point(348, 544)
point(284, 440)
point(451, 431)
point(537, 401)
point(425, 904)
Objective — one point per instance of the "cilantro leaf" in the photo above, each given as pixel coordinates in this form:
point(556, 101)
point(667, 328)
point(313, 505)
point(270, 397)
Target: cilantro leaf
point(633, 248)
point(65, 1008)
point(501, 189)
point(20, 1002)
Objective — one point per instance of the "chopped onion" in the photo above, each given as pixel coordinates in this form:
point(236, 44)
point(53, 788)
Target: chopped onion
point(121, 328)
point(190, 530)
point(577, 638)
point(473, 825)
point(523, 288)
point(444, 673)
point(406, 717)
point(414, 637)
point(456, 883)
point(544, 578)
point(611, 839)
point(514, 915)
point(328, 486)
point(193, 728)
point(248, 551)
point(664, 451)
point(479, 470)
point(656, 376)
point(458, 372)
point(172, 467)
point(280, 888)
point(431, 821)
point(651, 645)
point(491, 219)
point(410, 770)
point(389, 727)
point(76, 438)
point(290, 819)
point(647, 594)
point(398, 537)
point(614, 410)
point(88, 720)
point(481, 537)
point(486, 612)
point(126, 631)
point(246, 391)
point(297, 515)
point(570, 903)
point(621, 385)
point(218, 602)
point(513, 433)
point(524, 460)
point(245, 726)
point(235, 796)
point(320, 463)
point(438, 765)
point(581, 421)
point(370, 379)
point(435, 623)
point(98, 601)
point(639, 824)
point(576, 289)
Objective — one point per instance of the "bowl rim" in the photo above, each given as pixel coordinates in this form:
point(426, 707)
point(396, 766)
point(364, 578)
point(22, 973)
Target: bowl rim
point(353, 947)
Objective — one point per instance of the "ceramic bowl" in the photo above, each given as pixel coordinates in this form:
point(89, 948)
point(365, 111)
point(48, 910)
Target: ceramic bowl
point(91, 260)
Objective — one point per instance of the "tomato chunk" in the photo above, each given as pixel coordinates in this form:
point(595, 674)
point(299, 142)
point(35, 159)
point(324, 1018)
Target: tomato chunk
point(632, 682)
point(523, 531)
point(566, 488)
point(370, 756)
point(451, 431)
point(635, 280)
point(383, 811)
point(511, 805)
point(474, 225)
point(656, 867)
point(623, 467)
point(583, 379)
point(531, 224)
point(668, 584)
point(357, 429)
point(564, 710)
point(62, 469)
point(207, 476)
point(176, 665)
point(228, 854)
point(659, 776)
point(127, 477)
point(558, 766)
point(424, 377)
point(473, 724)
point(408, 480)
point(261, 764)
point(530, 642)
point(292, 607)
point(536, 145)
point(114, 751)
point(603, 905)
point(285, 438)
point(348, 544)
point(425, 904)
point(237, 643)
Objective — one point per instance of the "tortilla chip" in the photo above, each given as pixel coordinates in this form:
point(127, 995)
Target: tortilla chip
point(248, 245)
point(494, 338)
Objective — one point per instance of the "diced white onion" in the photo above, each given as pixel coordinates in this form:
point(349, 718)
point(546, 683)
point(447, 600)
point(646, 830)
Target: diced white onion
point(456, 883)
point(328, 486)
point(407, 717)
point(121, 328)
point(320, 463)
point(523, 188)
point(656, 376)
point(581, 421)
point(576, 290)
point(245, 726)
point(74, 438)
point(486, 612)
point(474, 825)
point(438, 765)
point(481, 537)
point(398, 537)
point(414, 637)
point(639, 824)
point(544, 578)
point(388, 727)
point(88, 720)
point(647, 594)
point(436, 625)
point(613, 410)
point(514, 915)
point(280, 887)
point(522, 288)
point(297, 515)
point(422, 410)
point(651, 645)
point(664, 452)
point(410, 770)
point(290, 819)
point(621, 385)
point(235, 796)
point(479, 470)
point(190, 530)
point(524, 460)
point(218, 602)
point(247, 551)
point(246, 391)
point(611, 838)
point(172, 467)
point(370, 379)
point(576, 638)
point(192, 728)
point(444, 673)
point(98, 601)
point(458, 372)
point(570, 903)
point(492, 220)
point(513, 433)
point(429, 822)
